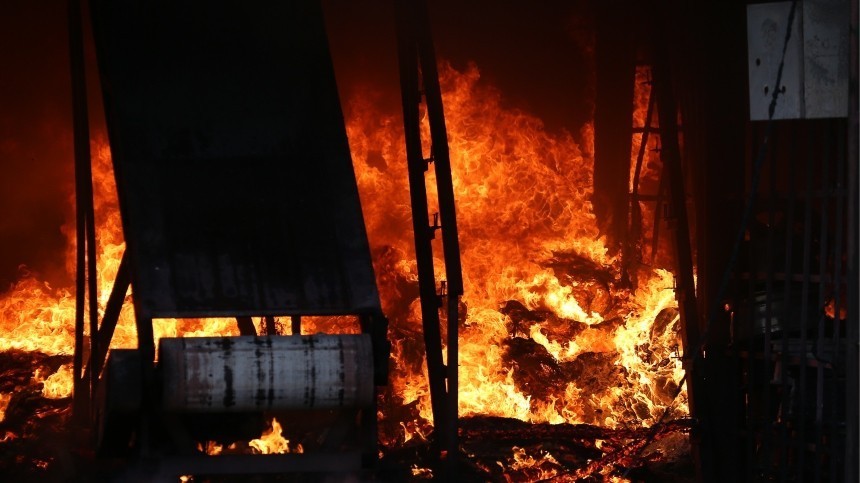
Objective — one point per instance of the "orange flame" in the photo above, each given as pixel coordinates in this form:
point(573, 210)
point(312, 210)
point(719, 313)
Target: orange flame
point(272, 442)
point(523, 200)
point(5, 398)
point(523, 204)
point(58, 385)
point(543, 468)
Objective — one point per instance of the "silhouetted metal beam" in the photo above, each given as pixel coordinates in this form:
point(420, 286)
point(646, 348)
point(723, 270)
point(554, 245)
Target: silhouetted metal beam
point(417, 65)
point(83, 201)
point(110, 319)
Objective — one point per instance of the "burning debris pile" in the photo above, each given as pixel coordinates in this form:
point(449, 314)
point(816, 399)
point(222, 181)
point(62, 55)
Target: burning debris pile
point(565, 452)
point(34, 416)
point(563, 366)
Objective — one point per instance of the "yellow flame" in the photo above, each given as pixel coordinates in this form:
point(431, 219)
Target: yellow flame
point(521, 460)
point(523, 196)
point(422, 473)
point(5, 397)
point(58, 385)
point(272, 442)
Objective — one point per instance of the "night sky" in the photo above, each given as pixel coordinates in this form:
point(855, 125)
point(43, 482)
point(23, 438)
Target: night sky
point(534, 52)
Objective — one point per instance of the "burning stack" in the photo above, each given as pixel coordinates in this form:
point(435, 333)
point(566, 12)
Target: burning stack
point(567, 371)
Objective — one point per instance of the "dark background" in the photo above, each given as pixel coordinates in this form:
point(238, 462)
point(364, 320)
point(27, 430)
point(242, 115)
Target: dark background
point(535, 53)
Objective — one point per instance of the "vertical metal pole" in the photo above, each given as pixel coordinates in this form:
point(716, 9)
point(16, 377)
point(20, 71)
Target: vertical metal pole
point(658, 207)
point(751, 379)
point(824, 232)
point(853, 317)
point(787, 415)
point(423, 233)
point(839, 196)
point(685, 291)
point(83, 199)
point(635, 222)
point(448, 214)
point(417, 64)
point(269, 322)
point(92, 289)
point(804, 303)
point(615, 72)
point(766, 366)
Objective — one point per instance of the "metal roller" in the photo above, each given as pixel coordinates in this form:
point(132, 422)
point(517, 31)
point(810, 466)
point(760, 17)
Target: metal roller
point(240, 374)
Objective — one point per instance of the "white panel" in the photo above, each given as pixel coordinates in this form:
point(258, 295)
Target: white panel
point(825, 52)
point(815, 74)
point(766, 27)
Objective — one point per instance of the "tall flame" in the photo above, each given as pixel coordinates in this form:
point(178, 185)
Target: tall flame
point(525, 218)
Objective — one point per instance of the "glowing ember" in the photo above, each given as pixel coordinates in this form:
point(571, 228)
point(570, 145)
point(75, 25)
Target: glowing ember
point(421, 473)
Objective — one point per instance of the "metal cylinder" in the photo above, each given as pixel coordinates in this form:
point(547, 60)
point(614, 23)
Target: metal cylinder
point(240, 374)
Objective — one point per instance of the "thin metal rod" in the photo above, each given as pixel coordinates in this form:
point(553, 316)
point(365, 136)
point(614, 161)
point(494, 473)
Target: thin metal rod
point(110, 318)
point(787, 313)
point(635, 214)
point(658, 207)
point(92, 282)
point(822, 268)
point(751, 379)
point(767, 370)
point(685, 291)
point(837, 300)
point(852, 401)
point(805, 297)
point(83, 199)
point(637, 172)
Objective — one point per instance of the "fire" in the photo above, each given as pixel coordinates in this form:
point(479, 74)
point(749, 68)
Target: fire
point(4, 403)
point(535, 266)
point(271, 442)
point(543, 468)
point(37, 317)
point(421, 473)
point(538, 277)
point(58, 385)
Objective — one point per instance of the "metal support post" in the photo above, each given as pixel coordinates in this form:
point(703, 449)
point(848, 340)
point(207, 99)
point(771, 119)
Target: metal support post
point(418, 70)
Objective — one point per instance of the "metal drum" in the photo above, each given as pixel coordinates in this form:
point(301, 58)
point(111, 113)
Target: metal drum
point(241, 374)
